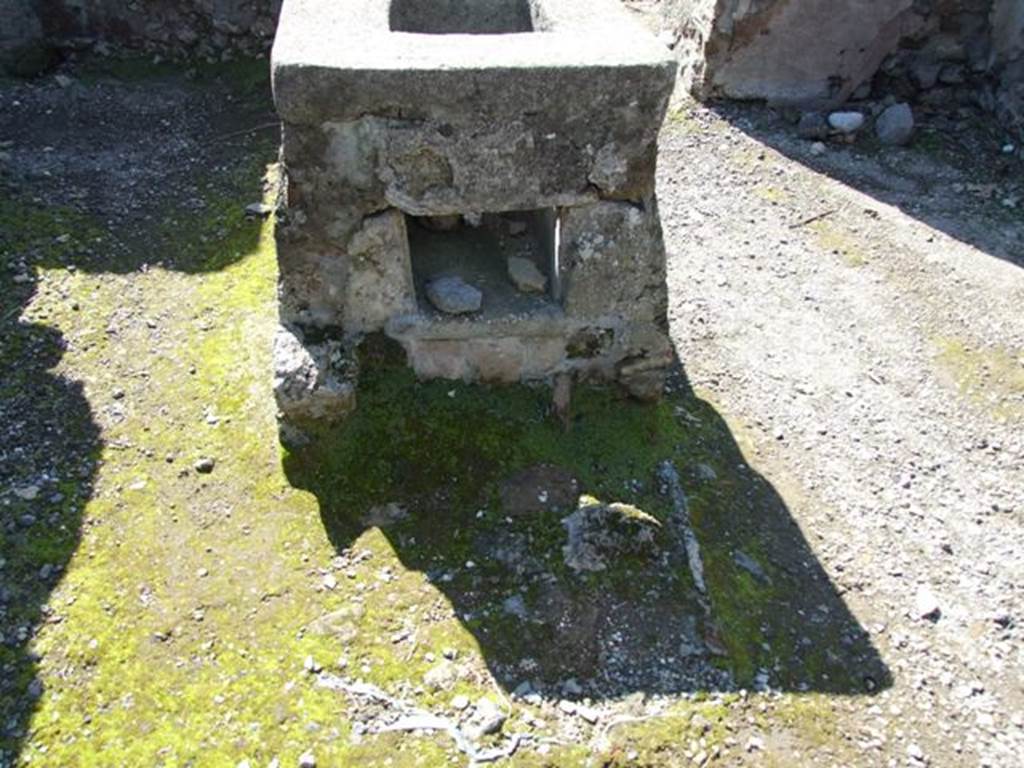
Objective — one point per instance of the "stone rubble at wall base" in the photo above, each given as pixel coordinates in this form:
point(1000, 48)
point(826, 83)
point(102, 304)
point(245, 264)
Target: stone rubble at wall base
point(822, 54)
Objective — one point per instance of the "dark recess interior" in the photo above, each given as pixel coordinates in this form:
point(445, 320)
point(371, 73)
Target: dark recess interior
point(467, 17)
point(452, 247)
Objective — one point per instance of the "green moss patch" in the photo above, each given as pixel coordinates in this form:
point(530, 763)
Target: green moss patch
point(991, 378)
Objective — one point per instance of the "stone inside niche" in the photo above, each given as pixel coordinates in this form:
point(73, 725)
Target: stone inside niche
point(454, 296)
point(506, 257)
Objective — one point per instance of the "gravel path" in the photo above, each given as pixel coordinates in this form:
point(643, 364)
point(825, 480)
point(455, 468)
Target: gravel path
point(872, 361)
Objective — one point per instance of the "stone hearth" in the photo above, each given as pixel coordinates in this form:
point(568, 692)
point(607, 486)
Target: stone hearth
point(504, 145)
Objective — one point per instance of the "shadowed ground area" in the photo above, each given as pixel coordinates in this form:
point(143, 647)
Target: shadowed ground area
point(856, 317)
point(47, 466)
point(957, 178)
point(451, 466)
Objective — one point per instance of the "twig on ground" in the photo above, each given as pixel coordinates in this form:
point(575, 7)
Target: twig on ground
point(812, 219)
point(253, 129)
point(682, 528)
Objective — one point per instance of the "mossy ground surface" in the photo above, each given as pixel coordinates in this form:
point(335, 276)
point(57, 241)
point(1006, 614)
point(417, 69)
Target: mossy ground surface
point(173, 623)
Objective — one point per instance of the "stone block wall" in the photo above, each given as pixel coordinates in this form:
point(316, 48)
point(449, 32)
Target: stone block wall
point(807, 52)
point(21, 37)
point(354, 179)
point(487, 202)
point(821, 53)
point(173, 28)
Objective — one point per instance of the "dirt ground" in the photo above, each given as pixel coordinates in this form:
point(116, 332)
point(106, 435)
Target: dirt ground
point(858, 315)
point(846, 426)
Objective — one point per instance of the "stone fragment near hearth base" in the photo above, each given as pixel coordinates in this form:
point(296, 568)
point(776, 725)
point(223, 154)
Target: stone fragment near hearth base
point(312, 381)
point(599, 534)
point(525, 276)
point(642, 372)
point(453, 295)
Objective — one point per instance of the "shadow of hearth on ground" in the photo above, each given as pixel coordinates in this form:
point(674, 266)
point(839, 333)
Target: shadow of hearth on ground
point(129, 166)
point(49, 449)
point(470, 485)
point(149, 165)
point(954, 176)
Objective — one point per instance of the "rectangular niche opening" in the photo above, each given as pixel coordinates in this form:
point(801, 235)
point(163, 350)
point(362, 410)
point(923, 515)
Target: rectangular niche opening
point(465, 17)
point(510, 258)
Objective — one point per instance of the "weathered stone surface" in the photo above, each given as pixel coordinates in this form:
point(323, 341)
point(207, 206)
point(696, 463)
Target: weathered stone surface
point(327, 48)
point(447, 223)
point(801, 51)
point(554, 115)
point(201, 27)
point(614, 261)
point(525, 275)
point(310, 284)
point(379, 284)
point(458, 163)
point(312, 381)
point(491, 17)
point(1010, 97)
point(517, 228)
point(821, 53)
point(621, 170)
point(643, 370)
point(895, 125)
point(332, 169)
point(504, 360)
point(454, 295)
point(545, 128)
point(1007, 30)
point(23, 50)
point(924, 71)
point(952, 74)
point(601, 533)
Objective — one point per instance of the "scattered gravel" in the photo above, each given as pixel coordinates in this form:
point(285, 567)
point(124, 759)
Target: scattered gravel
point(884, 340)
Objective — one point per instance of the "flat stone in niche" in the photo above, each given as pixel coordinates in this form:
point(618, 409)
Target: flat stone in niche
point(454, 296)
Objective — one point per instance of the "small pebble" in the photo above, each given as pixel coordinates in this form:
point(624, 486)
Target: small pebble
point(204, 465)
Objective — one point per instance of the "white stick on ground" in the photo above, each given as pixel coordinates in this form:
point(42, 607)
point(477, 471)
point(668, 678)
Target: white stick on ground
point(682, 526)
point(415, 719)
